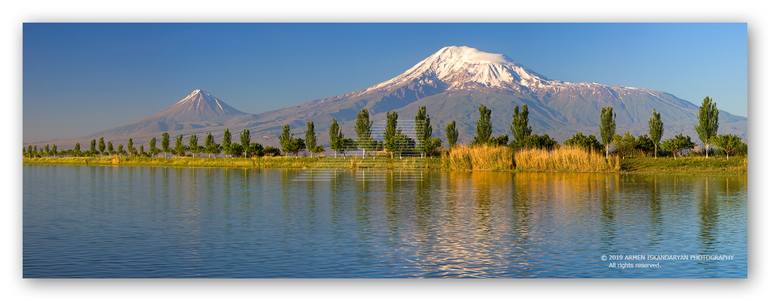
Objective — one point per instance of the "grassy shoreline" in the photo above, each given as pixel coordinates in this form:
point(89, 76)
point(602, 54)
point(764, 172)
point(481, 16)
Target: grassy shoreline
point(721, 165)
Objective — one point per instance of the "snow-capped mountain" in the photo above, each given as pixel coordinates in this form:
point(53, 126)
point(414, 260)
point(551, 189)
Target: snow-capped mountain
point(455, 80)
point(196, 113)
point(464, 68)
point(451, 83)
point(199, 106)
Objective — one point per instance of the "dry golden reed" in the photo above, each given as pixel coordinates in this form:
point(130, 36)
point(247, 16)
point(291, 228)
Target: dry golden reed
point(565, 158)
point(480, 157)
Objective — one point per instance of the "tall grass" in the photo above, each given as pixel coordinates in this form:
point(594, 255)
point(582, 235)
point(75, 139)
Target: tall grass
point(565, 158)
point(480, 157)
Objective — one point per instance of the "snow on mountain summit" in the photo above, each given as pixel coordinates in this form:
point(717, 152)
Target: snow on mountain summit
point(199, 105)
point(463, 67)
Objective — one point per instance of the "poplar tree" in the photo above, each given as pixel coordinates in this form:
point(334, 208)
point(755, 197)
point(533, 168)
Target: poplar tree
point(451, 134)
point(141, 150)
point(391, 132)
point(92, 148)
point(310, 139)
point(76, 150)
point(364, 131)
point(102, 146)
point(153, 147)
point(708, 122)
point(607, 128)
point(483, 126)
point(655, 130)
point(120, 149)
point(131, 149)
point(520, 125)
point(54, 150)
point(336, 139)
point(179, 147)
point(211, 145)
point(164, 144)
point(227, 141)
point(245, 141)
point(193, 144)
point(110, 149)
point(424, 131)
point(286, 139)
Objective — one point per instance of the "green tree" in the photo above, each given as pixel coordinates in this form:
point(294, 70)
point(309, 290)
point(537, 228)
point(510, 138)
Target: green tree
point(76, 150)
point(286, 139)
point(153, 147)
point(141, 150)
point(730, 143)
point(245, 141)
point(311, 139)
point(92, 148)
point(677, 144)
point(120, 149)
point(211, 145)
point(364, 131)
point(451, 134)
point(655, 130)
point(403, 144)
point(607, 128)
point(624, 145)
point(179, 146)
point(102, 146)
point(708, 122)
point(235, 149)
point(54, 150)
point(520, 125)
point(483, 126)
point(227, 141)
point(271, 151)
point(299, 145)
point(390, 138)
point(258, 150)
point(424, 132)
point(540, 142)
point(644, 144)
point(192, 144)
point(501, 140)
point(589, 143)
point(131, 148)
point(164, 144)
point(110, 149)
point(336, 138)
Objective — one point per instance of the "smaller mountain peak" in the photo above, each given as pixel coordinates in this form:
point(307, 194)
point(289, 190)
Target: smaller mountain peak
point(200, 92)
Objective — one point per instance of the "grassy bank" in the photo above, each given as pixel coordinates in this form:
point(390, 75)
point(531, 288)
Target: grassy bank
point(460, 158)
point(734, 165)
point(258, 162)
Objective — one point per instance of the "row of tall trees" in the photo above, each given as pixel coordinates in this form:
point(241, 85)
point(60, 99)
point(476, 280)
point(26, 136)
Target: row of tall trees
point(678, 145)
point(396, 142)
point(181, 147)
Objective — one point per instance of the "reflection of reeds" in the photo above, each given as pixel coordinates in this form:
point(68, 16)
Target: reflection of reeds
point(482, 157)
point(565, 159)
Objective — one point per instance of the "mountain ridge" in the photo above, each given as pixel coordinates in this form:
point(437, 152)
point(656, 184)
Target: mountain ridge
point(451, 83)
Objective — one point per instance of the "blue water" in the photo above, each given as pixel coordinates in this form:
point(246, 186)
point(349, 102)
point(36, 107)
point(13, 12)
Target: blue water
point(86, 221)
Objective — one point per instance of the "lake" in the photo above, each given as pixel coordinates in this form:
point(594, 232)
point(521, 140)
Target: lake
point(90, 221)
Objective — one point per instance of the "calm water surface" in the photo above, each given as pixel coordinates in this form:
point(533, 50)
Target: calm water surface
point(85, 221)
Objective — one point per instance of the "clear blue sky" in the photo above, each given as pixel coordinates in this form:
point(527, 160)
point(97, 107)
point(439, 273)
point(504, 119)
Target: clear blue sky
point(81, 78)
